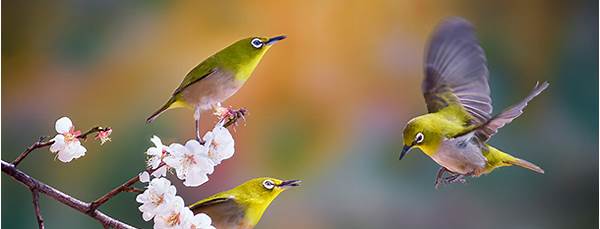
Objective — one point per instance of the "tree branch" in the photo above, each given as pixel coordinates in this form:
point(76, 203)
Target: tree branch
point(83, 207)
point(36, 207)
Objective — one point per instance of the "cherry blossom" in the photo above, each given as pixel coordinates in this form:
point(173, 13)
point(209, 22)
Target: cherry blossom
point(198, 221)
point(191, 162)
point(220, 144)
point(157, 199)
point(66, 142)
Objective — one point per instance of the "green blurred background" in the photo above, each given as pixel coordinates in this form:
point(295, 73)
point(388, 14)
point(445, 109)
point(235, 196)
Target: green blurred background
point(327, 106)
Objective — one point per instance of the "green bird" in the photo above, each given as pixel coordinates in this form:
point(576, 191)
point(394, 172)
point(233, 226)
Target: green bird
point(218, 77)
point(243, 206)
point(459, 124)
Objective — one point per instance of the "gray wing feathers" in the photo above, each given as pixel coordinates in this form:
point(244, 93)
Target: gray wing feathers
point(223, 211)
point(490, 128)
point(456, 63)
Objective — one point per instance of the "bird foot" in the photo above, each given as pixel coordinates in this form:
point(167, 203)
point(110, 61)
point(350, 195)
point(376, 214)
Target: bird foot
point(230, 116)
point(454, 178)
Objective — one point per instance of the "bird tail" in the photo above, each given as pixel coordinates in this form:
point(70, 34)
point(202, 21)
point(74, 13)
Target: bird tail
point(172, 103)
point(496, 158)
point(527, 165)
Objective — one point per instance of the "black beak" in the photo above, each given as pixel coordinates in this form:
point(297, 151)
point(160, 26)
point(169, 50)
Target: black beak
point(405, 149)
point(290, 183)
point(273, 40)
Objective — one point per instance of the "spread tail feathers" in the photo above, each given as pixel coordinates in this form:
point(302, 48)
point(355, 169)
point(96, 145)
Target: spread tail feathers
point(528, 165)
point(172, 103)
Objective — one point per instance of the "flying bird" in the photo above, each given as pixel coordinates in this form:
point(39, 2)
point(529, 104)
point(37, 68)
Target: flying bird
point(456, 131)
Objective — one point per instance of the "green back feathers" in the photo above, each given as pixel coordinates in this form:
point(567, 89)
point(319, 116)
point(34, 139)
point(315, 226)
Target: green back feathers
point(240, 58)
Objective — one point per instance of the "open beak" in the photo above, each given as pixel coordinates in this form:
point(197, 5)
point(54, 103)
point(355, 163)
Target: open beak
point(405, 149)
point(274, 40)
point(290, 183)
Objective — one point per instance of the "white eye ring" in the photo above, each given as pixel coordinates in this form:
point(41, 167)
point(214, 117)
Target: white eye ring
point(268, 184)
point(419, 138)
point(256, 43)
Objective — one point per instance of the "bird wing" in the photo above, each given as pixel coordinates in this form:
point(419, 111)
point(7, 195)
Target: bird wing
point(224, 211)
point(200, 72)
point(456, 73)
point(486, 131)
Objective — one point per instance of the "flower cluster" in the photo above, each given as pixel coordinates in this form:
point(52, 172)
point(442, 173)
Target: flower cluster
point(160, 202)
point(66, 142)
point(192, 162)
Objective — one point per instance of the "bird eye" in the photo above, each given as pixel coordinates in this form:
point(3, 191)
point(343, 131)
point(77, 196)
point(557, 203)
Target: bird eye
point(268, 184)
point(419, 138)
point(256, 43)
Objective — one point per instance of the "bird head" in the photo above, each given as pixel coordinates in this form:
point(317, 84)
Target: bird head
point(258, 193)
point(266, 188)
point(245, 54)
point(420, 133)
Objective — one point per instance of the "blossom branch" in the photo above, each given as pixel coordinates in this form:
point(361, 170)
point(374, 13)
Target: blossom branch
point(40, 143)
point(36, 207)
point(83, 207)
point(227, 120)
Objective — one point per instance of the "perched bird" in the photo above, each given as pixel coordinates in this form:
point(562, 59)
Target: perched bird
point(455, 131)
point(243, 206)
point(218, 77)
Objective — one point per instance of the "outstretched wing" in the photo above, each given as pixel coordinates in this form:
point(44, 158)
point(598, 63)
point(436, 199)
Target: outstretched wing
point(486, 131)
point(224, 212)
point(456, 73)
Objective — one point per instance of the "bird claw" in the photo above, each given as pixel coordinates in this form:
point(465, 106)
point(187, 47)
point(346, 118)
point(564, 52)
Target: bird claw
point(454, 178)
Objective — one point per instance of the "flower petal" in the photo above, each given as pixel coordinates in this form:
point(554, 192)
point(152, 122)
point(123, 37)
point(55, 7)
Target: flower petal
point(59, 143)
point(144, 177)
point(63, 125)
point(157, 142)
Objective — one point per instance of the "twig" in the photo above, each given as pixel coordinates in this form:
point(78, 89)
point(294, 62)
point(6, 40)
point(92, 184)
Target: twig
point(40, 143)
point(92, 131)
point(59, 196)
point(36, 207)
point(125, 187)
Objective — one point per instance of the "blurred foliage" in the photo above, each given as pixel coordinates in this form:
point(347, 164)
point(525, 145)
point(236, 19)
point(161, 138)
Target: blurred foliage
point(326, 105)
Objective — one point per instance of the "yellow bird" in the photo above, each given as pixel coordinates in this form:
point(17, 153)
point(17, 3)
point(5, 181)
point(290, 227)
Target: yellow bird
point(243, 206)
point(455, 131)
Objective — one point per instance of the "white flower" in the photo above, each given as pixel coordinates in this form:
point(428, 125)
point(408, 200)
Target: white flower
point(220, 144)
point(157, 153)
point(191, 162)
point(157, 198)
point(179, 216)
point(199, 221)
point(66, 142)
point(174, 215)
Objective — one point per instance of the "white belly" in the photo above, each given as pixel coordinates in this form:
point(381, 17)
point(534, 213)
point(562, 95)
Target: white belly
point(211, 90)
point(460, 155)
